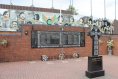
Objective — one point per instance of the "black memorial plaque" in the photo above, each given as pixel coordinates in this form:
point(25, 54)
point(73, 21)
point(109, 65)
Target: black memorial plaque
point(95, 66)
point(95, 63)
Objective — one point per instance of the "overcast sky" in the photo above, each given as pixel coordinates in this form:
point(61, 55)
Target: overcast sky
point(82, 6)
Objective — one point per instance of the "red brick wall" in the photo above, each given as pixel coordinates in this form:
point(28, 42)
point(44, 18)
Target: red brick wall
point(19, 45)
point(103, 44)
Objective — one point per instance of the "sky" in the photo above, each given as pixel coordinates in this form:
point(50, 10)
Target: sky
point(82, 6)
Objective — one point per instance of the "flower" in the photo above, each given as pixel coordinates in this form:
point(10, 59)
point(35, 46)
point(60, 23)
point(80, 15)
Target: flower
point(61, 56)
point(44, 58)
point(110, 43)
point(3, 42)
point(75, 55)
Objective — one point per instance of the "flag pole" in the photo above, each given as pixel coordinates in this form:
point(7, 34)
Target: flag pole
point(32, 3)
point(115, 9)
point(104, 9)
point(91, 7)
point(52, 4)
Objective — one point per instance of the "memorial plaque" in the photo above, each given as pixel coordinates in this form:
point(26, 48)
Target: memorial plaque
point(95, 63)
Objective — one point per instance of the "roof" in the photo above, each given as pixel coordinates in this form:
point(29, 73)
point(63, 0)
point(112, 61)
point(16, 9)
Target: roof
point(32, 8)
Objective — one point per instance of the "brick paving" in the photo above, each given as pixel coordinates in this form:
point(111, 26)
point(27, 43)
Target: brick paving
point(58, 69)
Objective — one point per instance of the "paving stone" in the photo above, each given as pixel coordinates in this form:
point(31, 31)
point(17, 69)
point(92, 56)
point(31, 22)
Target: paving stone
point(72, 69)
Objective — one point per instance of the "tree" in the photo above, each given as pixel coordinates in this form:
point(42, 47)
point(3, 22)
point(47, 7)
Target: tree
point(72, 9)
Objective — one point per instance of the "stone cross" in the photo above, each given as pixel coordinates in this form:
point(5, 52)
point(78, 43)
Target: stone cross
point(95, 35)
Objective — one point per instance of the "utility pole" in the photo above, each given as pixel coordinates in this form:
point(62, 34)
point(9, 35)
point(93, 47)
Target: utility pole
point(115, 9)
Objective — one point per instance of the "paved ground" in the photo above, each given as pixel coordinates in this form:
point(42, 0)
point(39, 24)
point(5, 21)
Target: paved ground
point(58, 69)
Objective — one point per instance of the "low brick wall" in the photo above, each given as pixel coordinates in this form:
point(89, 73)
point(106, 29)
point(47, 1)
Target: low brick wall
point(19, 45)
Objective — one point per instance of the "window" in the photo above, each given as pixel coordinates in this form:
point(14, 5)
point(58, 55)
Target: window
point(76, 39)
point(43, 39)
point(49, 39)
point(71, 38)
point(52, 39)
point(82, 39)
point(34, 40)
point(65, 39)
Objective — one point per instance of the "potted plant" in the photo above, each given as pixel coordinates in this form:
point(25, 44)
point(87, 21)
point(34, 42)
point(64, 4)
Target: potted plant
point(110, 46)
point(4, 42)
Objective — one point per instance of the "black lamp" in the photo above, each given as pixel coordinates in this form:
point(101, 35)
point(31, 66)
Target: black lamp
point(26, 32)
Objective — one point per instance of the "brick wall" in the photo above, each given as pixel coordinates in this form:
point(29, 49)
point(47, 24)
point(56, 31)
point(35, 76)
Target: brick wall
point(19, 45)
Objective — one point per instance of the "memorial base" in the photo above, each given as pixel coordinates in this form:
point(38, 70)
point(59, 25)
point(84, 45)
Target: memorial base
point(95, 67)
point(93, 74)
